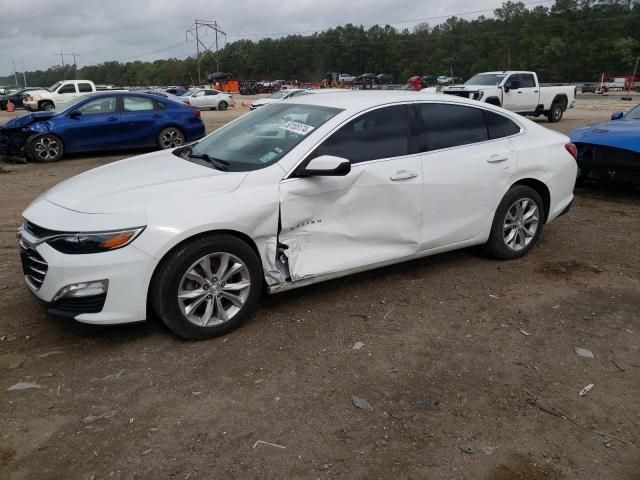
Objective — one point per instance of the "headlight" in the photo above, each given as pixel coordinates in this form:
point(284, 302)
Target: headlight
point(94, 242)
point(478, 95)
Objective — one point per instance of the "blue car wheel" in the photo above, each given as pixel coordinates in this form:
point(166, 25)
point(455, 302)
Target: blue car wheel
point(45, 148)
point(170, 137)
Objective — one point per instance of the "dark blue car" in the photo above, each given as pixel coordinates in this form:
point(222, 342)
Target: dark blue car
point(102, 122)
point(611, 150)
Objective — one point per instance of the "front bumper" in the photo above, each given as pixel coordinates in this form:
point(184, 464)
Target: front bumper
point(127, 270)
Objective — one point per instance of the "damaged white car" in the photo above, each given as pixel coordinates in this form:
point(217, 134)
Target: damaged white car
point(292, 194)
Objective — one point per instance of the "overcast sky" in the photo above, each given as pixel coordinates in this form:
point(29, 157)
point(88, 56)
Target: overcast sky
point(33, 32)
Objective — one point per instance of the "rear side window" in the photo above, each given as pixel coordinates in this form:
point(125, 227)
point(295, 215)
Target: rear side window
point(137, 104)
point(381, 133)
point(84, 87)
point(500, 126)
point(69, 88)
point(443, 126)
point(527, 81)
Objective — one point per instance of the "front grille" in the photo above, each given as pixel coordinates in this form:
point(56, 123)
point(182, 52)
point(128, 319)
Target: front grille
point(38, 231)
point(79, 305)
point(33, 265)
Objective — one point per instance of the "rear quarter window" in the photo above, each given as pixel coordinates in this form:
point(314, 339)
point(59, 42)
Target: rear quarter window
point(500, 126)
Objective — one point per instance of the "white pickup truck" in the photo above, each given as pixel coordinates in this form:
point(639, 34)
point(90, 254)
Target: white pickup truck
point(58, 95)
point(517, 91)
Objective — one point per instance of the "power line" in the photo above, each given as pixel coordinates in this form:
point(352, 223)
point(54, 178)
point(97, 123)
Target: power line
point(207, 25)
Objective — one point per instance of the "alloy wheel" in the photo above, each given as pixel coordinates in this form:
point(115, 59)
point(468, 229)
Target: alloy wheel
point(214, 289)
point(171, 138)
point(46, 148)
point(521, 224)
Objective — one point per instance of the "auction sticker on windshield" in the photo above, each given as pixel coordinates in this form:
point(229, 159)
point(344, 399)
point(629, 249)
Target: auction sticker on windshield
point(297, 127)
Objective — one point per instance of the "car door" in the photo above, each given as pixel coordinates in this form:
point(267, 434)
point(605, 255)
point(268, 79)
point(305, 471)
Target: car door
point(211, 98)
point(66, 93)
point(523, 94)
point(466, 170)
point(138, 121)
point(370, 216)
point(198, 99)
point(97, 127)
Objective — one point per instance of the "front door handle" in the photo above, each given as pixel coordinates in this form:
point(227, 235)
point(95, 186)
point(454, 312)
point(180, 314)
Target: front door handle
point(403, 175)
point(112, 119)
point(495, 158)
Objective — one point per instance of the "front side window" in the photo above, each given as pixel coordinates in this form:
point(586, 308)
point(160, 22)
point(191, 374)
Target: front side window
point(69, 88)
point(210, 93)
point(443, 125)
point(137, 104)
point(261, 138)
point(99, 105)
point(486, 79)
point(84, 87)
point(381, 133)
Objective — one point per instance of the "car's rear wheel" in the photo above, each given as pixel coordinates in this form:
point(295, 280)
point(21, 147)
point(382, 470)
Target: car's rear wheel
point(170, 137)
point(517, 224)
point(555, 112)
point(223, 105)
point(44, 148)
point(207, 287)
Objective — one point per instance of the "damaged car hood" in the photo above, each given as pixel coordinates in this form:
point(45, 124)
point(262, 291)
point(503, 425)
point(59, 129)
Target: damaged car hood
point(140, 182)
point(624, 134)
point(26, 120)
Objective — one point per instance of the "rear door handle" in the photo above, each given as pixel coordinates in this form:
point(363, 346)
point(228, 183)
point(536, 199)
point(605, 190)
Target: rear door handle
point(403, 175)
point(112, 119)
point(157, 115)
point(495, 158)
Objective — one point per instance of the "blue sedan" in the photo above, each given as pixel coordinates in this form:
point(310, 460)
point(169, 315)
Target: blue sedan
point(610, 151)
point(102, 122)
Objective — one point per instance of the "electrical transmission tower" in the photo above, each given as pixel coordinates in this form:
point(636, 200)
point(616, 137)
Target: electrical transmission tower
point(195, 30)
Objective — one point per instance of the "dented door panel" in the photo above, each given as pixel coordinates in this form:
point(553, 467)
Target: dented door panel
point(371, 215)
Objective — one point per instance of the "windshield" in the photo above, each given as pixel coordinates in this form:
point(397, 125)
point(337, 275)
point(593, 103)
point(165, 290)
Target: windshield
point(486, 79)
point(55, 86)
point(633, 114)
point(262, 137)
point(279, 94)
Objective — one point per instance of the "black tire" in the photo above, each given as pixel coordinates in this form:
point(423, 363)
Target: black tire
point(47, 106)
point(497, 245)
point(555, 112)
point(223, 105)
point(170, 277)
point(170, 137)
point(44, 148)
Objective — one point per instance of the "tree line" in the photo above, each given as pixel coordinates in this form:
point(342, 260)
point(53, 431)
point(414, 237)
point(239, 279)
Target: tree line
point(567, 42)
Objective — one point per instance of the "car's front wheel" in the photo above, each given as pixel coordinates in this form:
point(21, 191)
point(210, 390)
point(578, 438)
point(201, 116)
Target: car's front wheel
point(44, 148)
point(170, 137)
point(517, 224)
point(207, 287)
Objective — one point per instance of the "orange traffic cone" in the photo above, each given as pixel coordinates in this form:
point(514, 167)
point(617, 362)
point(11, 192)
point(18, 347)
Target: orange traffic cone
point(10, 106)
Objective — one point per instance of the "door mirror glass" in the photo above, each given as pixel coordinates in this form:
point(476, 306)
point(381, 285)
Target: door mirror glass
point(617, 115)
point(327, 166)
point(75, 114)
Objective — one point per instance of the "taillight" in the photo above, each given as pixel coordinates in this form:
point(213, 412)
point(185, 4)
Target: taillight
point(196, 113)
point(572, 149)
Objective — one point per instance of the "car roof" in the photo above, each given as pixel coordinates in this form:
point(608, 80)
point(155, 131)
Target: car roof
point(358, 100)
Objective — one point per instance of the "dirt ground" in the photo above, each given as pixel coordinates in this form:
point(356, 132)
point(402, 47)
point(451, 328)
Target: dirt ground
point(467, 364)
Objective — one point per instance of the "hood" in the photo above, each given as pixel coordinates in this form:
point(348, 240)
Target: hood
point(25, 120)
point(467, 87)
point(264, 101)
point(140, 182)
point(623, 134)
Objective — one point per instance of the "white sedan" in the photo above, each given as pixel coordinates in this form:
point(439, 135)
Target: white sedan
point(208, 98)
point(292, 194)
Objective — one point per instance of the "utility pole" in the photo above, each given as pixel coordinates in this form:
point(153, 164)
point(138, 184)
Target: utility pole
point(24, 74)
point(75, 64)
point(15, 75)
point(194, 31)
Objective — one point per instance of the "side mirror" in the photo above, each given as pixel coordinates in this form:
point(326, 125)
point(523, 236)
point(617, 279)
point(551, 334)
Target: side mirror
point(506, 88)
point(617, 115)
point(75, 114)
point(327, 166)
